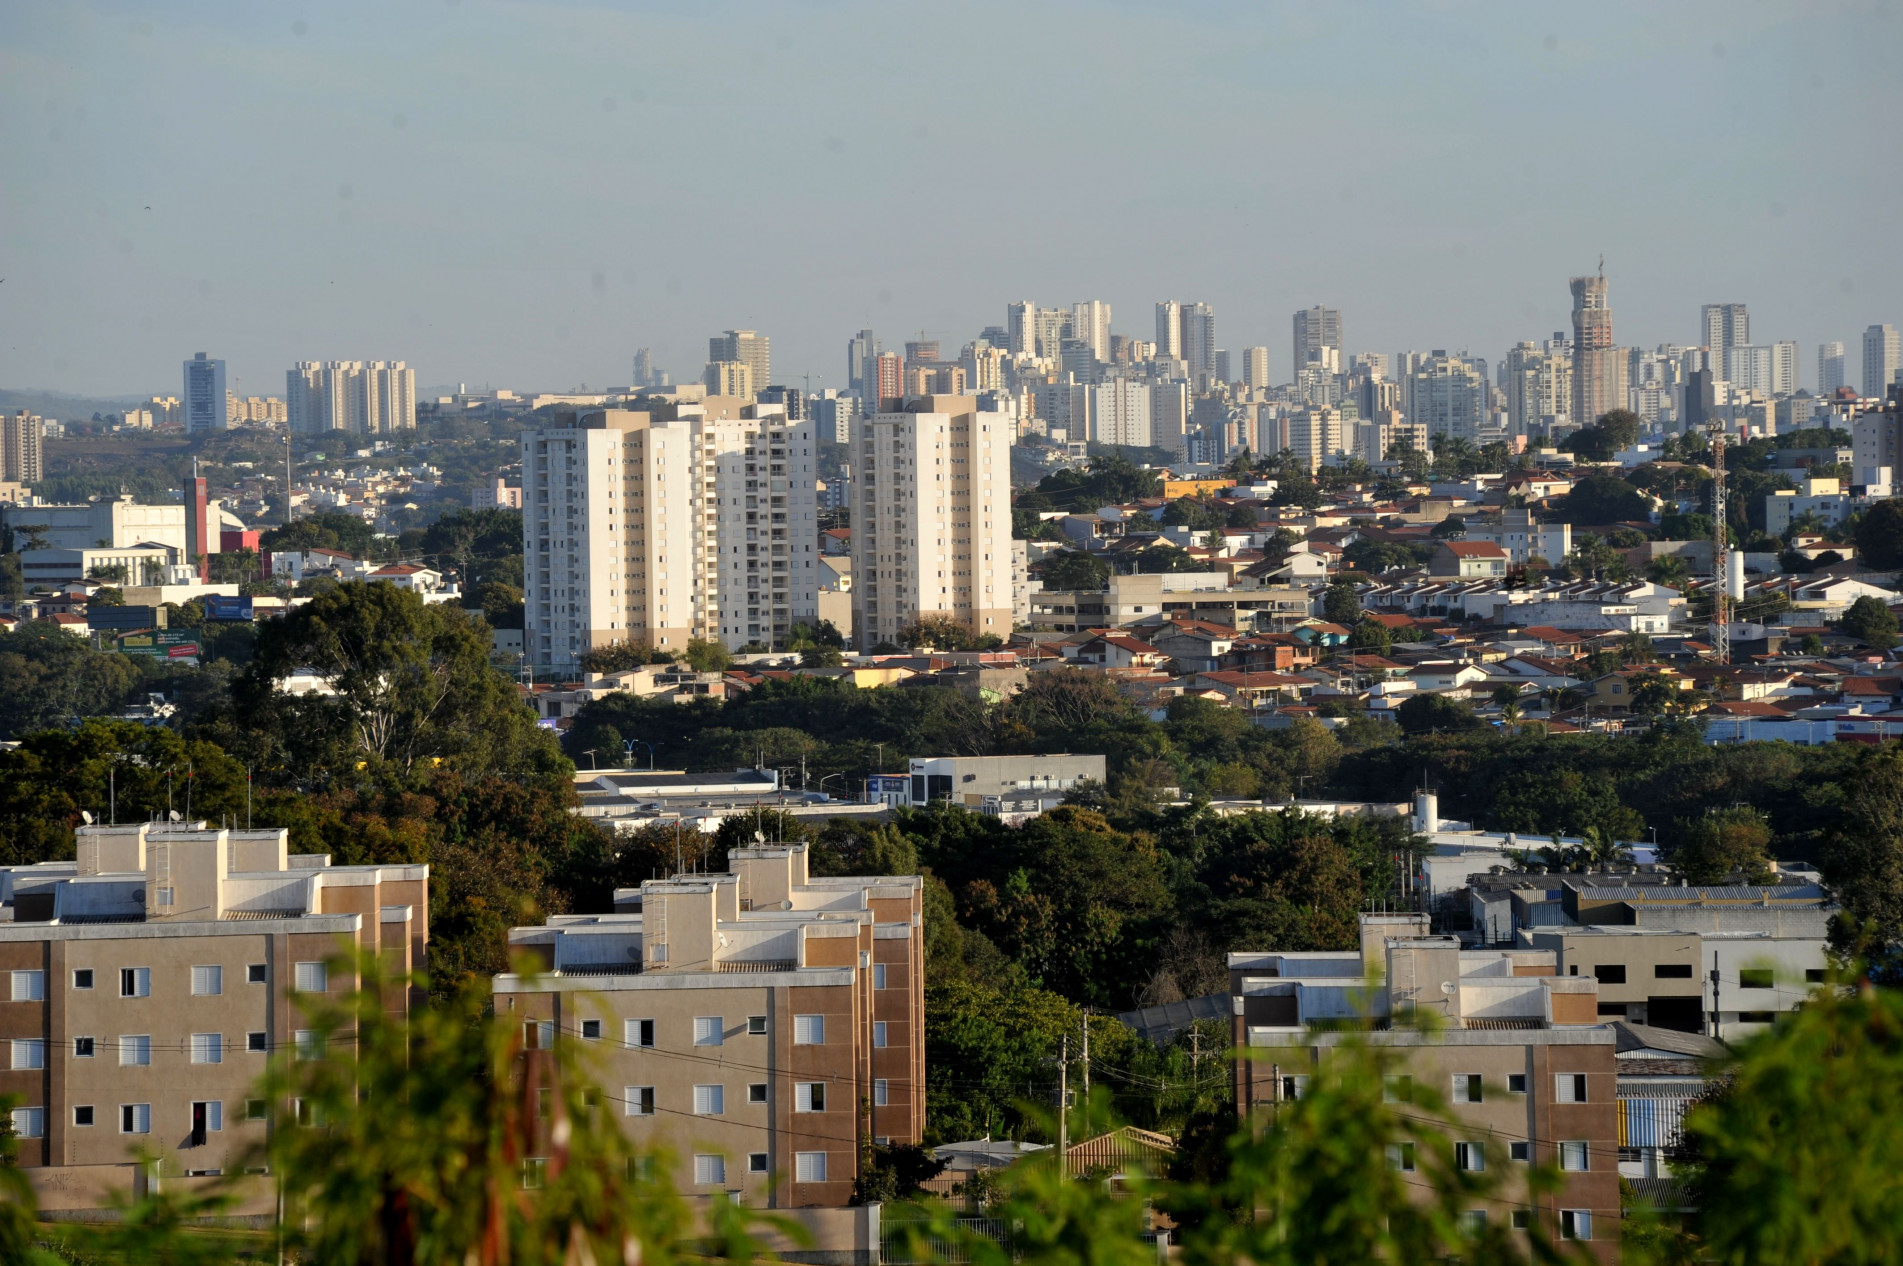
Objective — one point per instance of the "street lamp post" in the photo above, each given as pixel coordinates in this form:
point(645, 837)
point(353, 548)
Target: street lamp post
point(628, 745)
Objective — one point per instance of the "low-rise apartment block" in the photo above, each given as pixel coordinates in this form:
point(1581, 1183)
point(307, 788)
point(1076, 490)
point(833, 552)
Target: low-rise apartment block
point(144, 985)
point(760, 1025)
point(1516, 1051)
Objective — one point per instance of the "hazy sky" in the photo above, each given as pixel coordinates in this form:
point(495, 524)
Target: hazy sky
point(522, 194)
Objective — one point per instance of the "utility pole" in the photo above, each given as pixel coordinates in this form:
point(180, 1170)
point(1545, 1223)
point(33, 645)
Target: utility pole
point(1714, 993)
point(1086, 1072)
point(1720, 554)
point(1063, 1096)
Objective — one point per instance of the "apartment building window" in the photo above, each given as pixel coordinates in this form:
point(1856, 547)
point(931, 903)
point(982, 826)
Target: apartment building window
point(756, 1163)
point(1575, 1224)
point(208, 1048)
point(1757, 1017)
point(208, 1117)
point(881, 1090)
point(756, 1026)
point(29, 986)
point(207, 982)
point(1756, 978)
point(1521, 1151)
point(709, 1030)
point(135, 982)
point(1516, 1083)
point(756, 1092)
point(310, 978)
point(710, 1101)
point(83, 1048)
point(809, 1167)
point(637, 1101)
point(1294, 1086)
point(29, 1123)
point(1397, 1089)
point(27, 1052)
point(637, 1033)
point(1401, 1157)
point(1468, 1088)
point(308, 1043)
point(1470, 1156)
point(1610, 973)
point(254, 1043)
point(878, 1033)
point(254, 1109)
point(135, 1051)
point(538, 1035)
point(878, 975)
point(1569, 1088)
point(1672, 971)
point(254, 974)
point(591, 1030)
point(82, 1114)
point(1813, 975)
point(1474, 1221)
point(83, 978)
point(135, 1118)
point(809, 1030)
point(1574, 1156)
point(809, 1096)
point(304, 1112)
point(168, 896)
point(709, 1170)
point(534, 1173)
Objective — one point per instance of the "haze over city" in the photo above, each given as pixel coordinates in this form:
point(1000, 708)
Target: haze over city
point(523, 194)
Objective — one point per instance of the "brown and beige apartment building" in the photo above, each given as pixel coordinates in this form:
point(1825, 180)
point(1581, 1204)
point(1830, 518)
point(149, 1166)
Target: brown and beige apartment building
point(759, 1026)
point(144, 985)
point(1515, 1050)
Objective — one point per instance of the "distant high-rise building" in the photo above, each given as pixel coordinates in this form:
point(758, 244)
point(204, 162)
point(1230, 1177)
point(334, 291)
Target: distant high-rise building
point(1090, 321)
point(861, 350)
point(644, 371)
point(1255, 367)
point(1169, 329)
point(1120, 413)
point(1598, 380)
point(747, 346)
point(1020, 330)
point(887, 382)
point(1882, 356)
point(1222, 365)
point(921, 351)
point(1198, 340)
point(1050, 326)
point(360, 397)
point(833, 417)
point(1315, 434)
point(729, 378)
point(1832, 368)
point(1169, 416)
point(204, 395)
point(1727, 325)
point(21, 439)
point(931, 524)
point(1449, 396)
point(1539, 386)
point(791, 399)
point(1316, 328)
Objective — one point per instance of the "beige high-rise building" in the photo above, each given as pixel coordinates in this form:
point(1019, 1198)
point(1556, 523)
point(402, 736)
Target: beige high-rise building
point(932, 519)
point(694, 520)
point(749, 347)
point(1598, 368)
point(361, 397)
point(1090, 321)
point(763, 1025)
point(1255, 367)
point(730, 378)
point(1539, 387)
point(22, 439)
point(144, 986)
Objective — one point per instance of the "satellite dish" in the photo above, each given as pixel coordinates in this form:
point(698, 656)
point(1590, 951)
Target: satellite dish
point(86, 817)
point(172, 814)
point(759, 837)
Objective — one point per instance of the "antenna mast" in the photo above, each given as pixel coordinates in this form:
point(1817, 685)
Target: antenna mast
point(1720, 555)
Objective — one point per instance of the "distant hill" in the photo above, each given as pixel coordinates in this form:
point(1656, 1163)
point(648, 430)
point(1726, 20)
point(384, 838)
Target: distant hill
point(57, 404)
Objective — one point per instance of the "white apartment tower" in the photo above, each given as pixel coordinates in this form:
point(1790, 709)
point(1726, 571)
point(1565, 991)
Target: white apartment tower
point(361, 397)
point(1090, 321)
point(932, 519)
point(1832, 368)
point(1255, 367)
point(1882, 356)
point(1317, 333)
point(1120, 412)
point(1169, 330)
point(693, 521)
point(1727, 325)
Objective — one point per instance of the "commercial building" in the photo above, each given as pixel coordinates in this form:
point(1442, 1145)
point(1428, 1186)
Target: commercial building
point(750, 348)
point(1882, 357)
point(694, 519)
point(932, 518)
point(121, 523)
point(1598, 369)
point(1159, 596)
point(1516, 1051)
point(1317, 339)
point(147, 982)
point(763, 1025)
point(22, 440)
point(204, 395)
point(361, 397)
point(999, 784)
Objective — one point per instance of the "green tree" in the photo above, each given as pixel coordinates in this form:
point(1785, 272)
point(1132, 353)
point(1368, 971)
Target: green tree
point(1880, 535)
point(1871, 621)
point(500, 604)
point(1165, 558)
point(1724, 843)
point(53, 678)
point(1341, 604)
point(1863, 858)
point(1603, 499)
point(704, 655)
point(1431, 713)
point(1371, 635)
point(1071, 570)
point(328, 529)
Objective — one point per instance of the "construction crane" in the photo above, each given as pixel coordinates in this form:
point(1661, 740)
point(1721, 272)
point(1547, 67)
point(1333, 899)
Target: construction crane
point(1720, 555)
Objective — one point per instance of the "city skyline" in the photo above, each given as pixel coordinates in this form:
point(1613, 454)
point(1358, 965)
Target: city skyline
point(346, 217)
